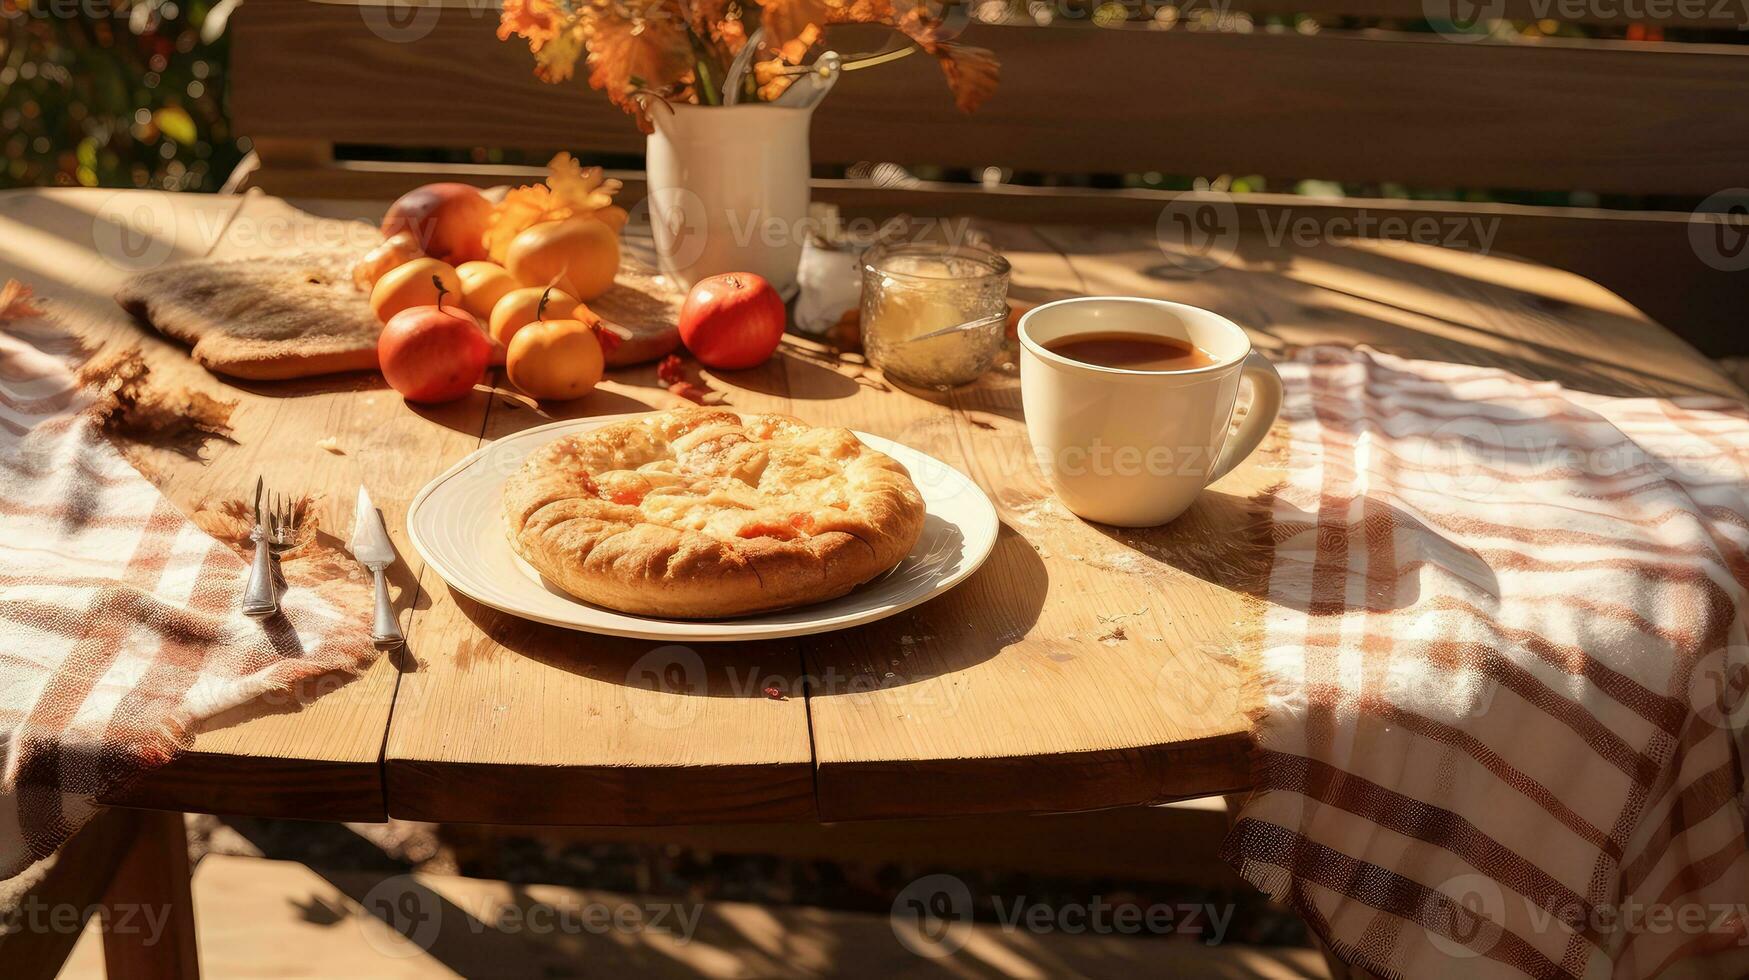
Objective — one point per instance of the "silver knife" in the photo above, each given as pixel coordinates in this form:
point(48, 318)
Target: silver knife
point(370, 545)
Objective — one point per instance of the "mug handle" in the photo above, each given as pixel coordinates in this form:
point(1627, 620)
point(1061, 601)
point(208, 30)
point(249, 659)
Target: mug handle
point(1265, 404)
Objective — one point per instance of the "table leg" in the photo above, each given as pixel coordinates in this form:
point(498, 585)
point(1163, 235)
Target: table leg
point(38, 935)
point(148, 911)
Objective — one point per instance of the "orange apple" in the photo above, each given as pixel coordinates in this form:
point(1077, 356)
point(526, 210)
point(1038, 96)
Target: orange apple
point(578, 255)
point(447, 219)
point(555, 359)
point(409, 284)
point(522, 306)
point(432, 353)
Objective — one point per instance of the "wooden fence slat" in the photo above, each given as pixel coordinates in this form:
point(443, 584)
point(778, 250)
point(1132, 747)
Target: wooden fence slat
point(1659, 13)
point(1418, 109)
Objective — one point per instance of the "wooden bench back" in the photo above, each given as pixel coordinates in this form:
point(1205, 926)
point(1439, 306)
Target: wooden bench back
point(1415, 109)
point(1421, 110)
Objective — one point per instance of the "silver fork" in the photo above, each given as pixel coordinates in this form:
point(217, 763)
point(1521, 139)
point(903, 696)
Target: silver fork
point(275, 532)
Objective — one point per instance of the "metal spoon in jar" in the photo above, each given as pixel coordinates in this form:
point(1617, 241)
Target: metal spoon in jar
point(967, 327)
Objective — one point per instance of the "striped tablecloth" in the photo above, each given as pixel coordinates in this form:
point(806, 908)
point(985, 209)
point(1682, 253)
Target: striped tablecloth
point(120, 629)
point(1504, 679)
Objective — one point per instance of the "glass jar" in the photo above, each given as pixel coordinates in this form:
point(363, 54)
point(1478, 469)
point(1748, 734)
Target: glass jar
point(918, 290)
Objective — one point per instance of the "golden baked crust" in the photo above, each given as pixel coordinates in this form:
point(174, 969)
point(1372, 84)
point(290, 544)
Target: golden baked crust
point(700, 513)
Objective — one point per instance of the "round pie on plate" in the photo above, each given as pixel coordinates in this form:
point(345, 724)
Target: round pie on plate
point(703, 513)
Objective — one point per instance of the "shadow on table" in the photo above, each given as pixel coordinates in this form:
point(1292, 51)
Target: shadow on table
point(513, 411)
point(1382, 293)
point(725, 670)
point(463, 414)
point(964, 627)
point(321, 384)
point(1479, 321)
point(799, 373)
point(1464, 342)
point(1202, 543)
point(347, 905)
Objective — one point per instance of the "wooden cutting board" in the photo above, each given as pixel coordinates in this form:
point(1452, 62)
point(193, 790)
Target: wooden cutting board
point(296, 314)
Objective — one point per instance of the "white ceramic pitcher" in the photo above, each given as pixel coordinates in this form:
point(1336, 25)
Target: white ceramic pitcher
point(728, 189)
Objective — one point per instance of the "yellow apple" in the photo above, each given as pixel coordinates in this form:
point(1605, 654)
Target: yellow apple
point(409, 284)
point(556, 359)
point(578, 255)
point(522, 306)
point(483, 285)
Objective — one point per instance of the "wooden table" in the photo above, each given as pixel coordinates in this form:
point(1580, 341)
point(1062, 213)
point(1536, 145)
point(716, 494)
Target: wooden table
point(1082, 667)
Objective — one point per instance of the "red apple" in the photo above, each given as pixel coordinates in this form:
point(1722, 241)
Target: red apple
point(448, 220)
point(732, 321)
point(433, 353)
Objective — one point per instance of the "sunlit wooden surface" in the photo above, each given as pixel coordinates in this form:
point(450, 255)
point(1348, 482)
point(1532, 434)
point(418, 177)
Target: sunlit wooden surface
point(1082, 667)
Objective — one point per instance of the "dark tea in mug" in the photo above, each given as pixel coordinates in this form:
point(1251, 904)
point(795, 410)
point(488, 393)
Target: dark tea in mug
point(1130, 351)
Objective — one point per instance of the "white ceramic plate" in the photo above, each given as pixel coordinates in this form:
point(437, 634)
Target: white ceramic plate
point(456, 524)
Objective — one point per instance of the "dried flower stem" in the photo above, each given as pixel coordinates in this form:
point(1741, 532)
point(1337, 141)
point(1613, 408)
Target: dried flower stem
point(707, 88)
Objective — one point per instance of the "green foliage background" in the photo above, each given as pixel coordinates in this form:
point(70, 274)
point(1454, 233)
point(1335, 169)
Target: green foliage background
point(115, 93)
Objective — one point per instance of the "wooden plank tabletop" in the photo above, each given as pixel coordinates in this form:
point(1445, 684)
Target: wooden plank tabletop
point(75, 247)
point(508, 721)
point(1082, 667)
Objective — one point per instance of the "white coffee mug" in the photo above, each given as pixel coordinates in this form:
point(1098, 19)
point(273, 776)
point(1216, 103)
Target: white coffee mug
point(1134, 448)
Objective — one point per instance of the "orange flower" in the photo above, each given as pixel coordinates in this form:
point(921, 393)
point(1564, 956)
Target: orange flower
point(539, 21)
point(785, 20)
point(678, 49)
point(972, 73)
point(796, 48)
point(557, 61)
point(769, 77)
point(636, 48)
point(570, 190)
point(583, 188)
point(732, 34)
